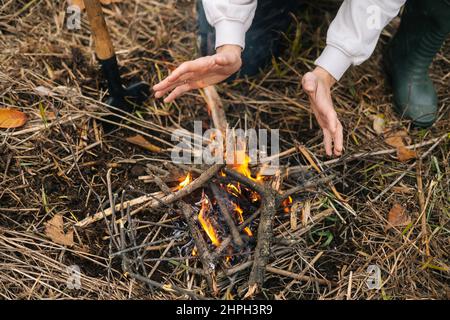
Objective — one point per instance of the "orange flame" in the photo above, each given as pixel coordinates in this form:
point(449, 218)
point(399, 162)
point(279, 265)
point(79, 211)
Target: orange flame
point(184, 182)
point(242, 167)
point(205, 223)
point(286, 204)
point(234, 189)
point(240, 212)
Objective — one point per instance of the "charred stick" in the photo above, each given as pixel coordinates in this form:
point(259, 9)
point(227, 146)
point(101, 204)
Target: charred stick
point(226, 214)
point(157, 169)
point(161, 184)
point(193, 228)
point(202, 248)
point(270, 202)
point(198, 271)
point(200, 242)
point(271, 199)
point(249, 220)
point(238, 268)
point(264, 240)
point(254, 185)
point(226, 242)
point(307, 185)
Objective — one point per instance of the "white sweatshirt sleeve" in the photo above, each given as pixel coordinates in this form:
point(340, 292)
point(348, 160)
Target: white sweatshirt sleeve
point(354, 33)
point(231, 19)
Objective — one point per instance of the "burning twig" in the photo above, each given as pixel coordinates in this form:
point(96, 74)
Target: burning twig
point(157, 199)
point(271, 200)
point(226, 213)
point(202, 248)
point(120, 244)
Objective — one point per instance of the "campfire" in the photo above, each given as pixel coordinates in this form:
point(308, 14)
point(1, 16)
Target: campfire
point(224, 209)
point(228, 210)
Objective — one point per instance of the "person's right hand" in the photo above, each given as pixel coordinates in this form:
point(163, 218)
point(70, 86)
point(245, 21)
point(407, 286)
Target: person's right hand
point(200, 73)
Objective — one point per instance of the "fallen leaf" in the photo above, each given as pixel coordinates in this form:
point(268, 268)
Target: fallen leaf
point(396, 139)
point(54, 229)
point(144, 143)
point(397, 217)
point(405, 154)
point(10, 118)
point(379, 124)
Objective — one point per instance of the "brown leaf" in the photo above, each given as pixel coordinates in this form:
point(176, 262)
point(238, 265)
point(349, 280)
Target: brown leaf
point(405, 154)
point(80, 3)
point(54, 229)
point(10, 118)
point(397, 217)
point(396, 139)
point(144, 143)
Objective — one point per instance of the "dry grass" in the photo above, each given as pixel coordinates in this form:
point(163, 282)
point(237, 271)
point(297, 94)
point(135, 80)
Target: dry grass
point(57, 164)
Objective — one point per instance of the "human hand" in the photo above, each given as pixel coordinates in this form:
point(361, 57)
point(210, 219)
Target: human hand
point(317, 85)
point(200, 73)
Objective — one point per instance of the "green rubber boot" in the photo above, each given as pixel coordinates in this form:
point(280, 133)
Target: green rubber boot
point(424, 27)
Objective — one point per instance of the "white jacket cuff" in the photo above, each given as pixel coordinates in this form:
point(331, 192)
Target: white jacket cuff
point(230, 32)
point(335, 61)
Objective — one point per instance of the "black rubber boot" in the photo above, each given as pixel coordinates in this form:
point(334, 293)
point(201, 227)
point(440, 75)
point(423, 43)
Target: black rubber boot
point(262, 41)
point(424, 27)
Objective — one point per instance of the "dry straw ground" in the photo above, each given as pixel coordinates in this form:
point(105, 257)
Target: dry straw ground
point(57, 164)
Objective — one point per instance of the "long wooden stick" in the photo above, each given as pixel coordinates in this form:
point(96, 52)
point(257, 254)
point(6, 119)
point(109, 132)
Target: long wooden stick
point(158, 199)
point(215, 109)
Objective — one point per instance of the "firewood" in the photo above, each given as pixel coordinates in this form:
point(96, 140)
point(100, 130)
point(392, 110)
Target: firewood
point(226, 214)
point(157, 199)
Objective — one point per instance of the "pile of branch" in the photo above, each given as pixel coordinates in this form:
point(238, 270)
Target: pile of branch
point(271, 200)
